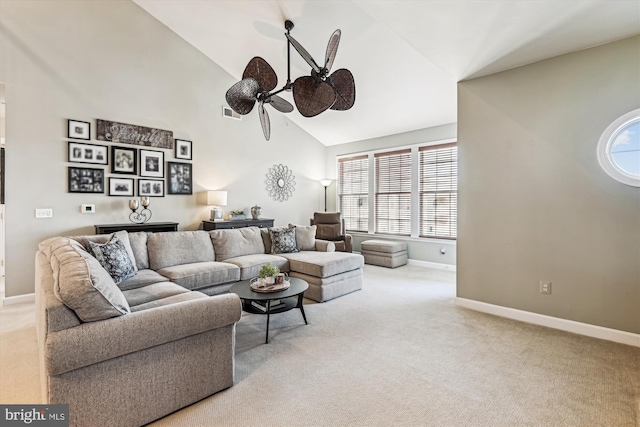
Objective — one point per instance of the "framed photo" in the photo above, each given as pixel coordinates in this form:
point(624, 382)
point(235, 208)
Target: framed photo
point(88, 153)
point(180, 178)
point(151, 188)
point(121, 186)
point(152, 163)
point(183, 149)
point(124, 160)
point(79, 130)
point(86, 180)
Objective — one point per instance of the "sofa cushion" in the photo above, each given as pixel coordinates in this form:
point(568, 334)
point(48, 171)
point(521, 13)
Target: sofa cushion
point(305, 237)
point(283, 240)
point(152, 292)
point(123, 235)
point(81, 283)
point(178, 247)
point(138, 243)
point(266, 240)
point(114, 258)
point(237, 242)
point(142, 278)
point(323, 264)
point(384, 246)
point(250, 265)
point(170, 300)
point(200, 274)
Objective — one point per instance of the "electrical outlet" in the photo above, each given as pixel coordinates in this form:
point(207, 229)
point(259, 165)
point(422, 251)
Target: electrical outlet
point(44, 213)
point(545, 287)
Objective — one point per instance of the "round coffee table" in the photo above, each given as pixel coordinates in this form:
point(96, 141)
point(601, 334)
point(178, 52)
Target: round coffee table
point(247, 295)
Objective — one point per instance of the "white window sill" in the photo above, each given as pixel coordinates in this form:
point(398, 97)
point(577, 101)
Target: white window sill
point(409, 239)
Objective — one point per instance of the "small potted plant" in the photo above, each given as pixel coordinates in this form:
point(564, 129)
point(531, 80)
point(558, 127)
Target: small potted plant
point(237, 214)
point(268, 273)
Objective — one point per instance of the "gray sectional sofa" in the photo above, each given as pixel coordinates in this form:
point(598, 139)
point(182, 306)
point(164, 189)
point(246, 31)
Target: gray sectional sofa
point(127, 354)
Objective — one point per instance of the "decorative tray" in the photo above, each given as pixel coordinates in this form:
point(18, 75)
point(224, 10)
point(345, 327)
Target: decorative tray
point(276, 287)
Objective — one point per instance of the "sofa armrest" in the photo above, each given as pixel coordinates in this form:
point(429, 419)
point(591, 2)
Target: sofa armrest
point(325, 246)
point(95, 342)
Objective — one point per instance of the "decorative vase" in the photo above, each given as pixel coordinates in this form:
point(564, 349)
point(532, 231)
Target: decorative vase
point(269, 280)
point(256, 211)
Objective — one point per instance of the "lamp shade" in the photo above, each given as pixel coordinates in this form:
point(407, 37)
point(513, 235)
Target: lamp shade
point(326, 182)
point(217, 198)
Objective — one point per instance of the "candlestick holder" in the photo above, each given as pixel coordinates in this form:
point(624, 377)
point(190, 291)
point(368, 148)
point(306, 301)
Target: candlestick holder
point(144, 215)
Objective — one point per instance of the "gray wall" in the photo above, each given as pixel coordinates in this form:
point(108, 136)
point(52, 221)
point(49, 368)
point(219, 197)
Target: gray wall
point(533, 202)
point(418, 249)
point(111, 60)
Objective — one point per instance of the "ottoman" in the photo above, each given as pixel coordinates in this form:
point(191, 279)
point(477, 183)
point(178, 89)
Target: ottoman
point(384, 253)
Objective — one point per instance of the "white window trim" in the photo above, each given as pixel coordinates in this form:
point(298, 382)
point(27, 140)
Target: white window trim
point(604, 150)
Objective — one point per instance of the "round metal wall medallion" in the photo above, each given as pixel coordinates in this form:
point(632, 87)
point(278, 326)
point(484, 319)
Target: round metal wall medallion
point(280, 183)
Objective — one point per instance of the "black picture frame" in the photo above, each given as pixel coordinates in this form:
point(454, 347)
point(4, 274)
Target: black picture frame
point(77, 129)
point(95, 154)
point(121, 187)
point(85, 180)
point(150, 187)
point(183, 149)
point(180, 178)
point(124, 160)
point(152, 163)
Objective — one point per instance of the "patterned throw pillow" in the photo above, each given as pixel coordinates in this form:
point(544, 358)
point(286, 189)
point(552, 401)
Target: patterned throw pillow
point(283, 240)
point(114, 258)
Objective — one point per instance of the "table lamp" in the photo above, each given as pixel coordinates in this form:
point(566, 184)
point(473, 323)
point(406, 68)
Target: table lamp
point(215, 199)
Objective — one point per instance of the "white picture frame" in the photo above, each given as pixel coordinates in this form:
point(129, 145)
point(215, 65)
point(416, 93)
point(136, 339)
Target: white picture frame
point(121, 186)
point(152, 163)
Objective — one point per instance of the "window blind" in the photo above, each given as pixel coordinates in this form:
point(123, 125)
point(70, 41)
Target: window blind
point(439, 191)
point(393, 192)
point(353, 192)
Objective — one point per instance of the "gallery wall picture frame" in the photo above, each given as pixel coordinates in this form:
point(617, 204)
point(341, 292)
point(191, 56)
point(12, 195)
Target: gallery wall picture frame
point(88, 153)
point(183, 149)
point(121, 186)
point(152, 163)
point(180, 178)
point(124, 160)
point(150, 187)
point(85, 180)
point(78, 129)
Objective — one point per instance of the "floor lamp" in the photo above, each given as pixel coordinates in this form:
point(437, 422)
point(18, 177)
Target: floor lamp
point(325, 183)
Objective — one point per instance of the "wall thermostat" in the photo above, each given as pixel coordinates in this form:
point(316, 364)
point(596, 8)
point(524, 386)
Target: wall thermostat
point(88, 208)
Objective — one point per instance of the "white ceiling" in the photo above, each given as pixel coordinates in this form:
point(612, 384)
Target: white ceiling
point(406, 56)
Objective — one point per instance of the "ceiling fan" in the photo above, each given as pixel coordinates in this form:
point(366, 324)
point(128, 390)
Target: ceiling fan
point(312, 94)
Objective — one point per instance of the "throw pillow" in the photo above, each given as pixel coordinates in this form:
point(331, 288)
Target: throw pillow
point(283, 240)
point(305, 237)
point(114, 258)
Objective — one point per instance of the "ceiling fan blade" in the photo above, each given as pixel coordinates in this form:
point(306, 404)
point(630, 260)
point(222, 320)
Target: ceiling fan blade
point(241, 97)
point(262, 72)
point(312, 98)
point(302, 51)
point(264, 121)
point(332, 49)
point(280, 104)
point(345, 86)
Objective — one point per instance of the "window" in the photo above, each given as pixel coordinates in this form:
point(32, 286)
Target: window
point(414, 192)
point(619, 149)
point(353, 192)
point(393, 192)
point(439, 191)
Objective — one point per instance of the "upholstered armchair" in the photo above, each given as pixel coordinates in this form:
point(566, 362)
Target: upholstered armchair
point(330, 226)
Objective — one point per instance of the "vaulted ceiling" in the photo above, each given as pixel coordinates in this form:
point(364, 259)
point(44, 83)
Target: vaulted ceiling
point(406, 56)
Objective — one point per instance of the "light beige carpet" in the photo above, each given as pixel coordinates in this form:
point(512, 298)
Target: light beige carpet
point(398, 353)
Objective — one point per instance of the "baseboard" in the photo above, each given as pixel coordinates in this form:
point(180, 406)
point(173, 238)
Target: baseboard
point(19, 299)
point(593, 331)
point(430, 264)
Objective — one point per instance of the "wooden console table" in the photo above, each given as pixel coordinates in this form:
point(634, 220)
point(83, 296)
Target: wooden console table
point(151, 227)
point(236, 223)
